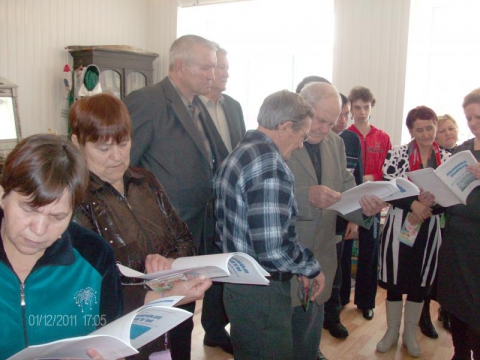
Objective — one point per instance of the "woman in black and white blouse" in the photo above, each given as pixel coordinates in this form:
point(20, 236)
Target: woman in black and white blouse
point(408, 263)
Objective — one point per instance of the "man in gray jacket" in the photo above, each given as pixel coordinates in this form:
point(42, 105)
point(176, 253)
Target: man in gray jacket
point(321, 175)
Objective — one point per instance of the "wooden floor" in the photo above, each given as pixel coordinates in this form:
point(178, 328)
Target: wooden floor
point(359, 345)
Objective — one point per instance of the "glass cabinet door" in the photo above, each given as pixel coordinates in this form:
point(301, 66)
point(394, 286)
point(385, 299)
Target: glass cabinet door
point(134, 80)
point(111, 82)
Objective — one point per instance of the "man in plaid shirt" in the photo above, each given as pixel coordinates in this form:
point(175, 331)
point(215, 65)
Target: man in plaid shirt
point(255, 209)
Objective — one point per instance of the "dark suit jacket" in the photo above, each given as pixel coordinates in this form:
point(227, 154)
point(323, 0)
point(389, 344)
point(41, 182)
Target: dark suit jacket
point(235, 120)
point(353, 150)
point(234, 114)
point(167, 142)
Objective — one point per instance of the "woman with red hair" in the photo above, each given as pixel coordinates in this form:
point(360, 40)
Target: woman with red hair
point(411, 236)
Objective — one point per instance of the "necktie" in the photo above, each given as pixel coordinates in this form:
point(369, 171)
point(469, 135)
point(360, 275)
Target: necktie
point(198, 120)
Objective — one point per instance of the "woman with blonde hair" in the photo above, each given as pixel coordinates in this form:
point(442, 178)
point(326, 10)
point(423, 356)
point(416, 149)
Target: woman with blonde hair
point(447, 132)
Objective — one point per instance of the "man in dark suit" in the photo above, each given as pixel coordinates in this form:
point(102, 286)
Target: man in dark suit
point(225, 111)
point(177, 140)
point(227, 116)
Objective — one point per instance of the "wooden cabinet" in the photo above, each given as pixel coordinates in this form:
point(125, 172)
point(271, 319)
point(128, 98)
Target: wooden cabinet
point(123, 69)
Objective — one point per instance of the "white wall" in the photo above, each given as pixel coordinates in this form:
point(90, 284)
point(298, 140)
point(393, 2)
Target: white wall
point(371, 43)
point(34, 33)
point(371, 40)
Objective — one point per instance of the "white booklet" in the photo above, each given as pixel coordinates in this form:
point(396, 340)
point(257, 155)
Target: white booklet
point(451, 182)
point(386, 190)
point(118, 339)
point(236, 267)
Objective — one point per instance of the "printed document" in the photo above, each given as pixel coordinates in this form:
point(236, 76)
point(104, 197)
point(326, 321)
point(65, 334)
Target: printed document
point(451, 182)
point(118, 339)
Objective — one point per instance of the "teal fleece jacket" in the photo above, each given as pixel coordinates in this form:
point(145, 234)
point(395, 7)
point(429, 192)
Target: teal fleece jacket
point(72, 290)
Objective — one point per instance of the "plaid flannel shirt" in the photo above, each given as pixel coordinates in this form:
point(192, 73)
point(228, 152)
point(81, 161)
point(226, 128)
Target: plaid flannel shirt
point(256, 207)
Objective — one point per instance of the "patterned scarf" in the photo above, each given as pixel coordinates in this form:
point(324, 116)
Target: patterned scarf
point(415, 159)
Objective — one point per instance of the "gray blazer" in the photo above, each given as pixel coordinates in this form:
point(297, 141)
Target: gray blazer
point(315, 227)
point(167, 142)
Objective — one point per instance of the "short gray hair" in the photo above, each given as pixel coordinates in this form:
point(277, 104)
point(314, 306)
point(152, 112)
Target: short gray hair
point(220, 49)
point(315, 92)
point(283, 106)
point(181, 49)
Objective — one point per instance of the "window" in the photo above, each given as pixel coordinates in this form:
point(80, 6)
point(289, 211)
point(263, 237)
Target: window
point(272, 44)
point(443, 58)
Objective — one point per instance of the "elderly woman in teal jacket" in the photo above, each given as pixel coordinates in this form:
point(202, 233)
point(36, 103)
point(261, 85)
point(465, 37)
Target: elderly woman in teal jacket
point(59, 280)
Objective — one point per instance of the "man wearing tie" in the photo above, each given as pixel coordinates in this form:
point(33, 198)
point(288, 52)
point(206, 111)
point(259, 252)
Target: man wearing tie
point(177, 140)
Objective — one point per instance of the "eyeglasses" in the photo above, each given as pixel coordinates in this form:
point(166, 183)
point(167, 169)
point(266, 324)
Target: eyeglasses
point(306, 137)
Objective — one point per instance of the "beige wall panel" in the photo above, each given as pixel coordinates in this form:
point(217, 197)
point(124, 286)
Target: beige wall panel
point(34, 33)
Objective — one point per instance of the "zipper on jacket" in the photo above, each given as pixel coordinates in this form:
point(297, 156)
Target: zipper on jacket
point(24, 320)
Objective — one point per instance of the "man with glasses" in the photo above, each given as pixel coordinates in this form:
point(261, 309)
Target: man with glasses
point(321, 174)
point(256, 209)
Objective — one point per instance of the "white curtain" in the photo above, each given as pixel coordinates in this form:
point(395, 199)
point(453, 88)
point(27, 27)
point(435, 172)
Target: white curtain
point(371, 40)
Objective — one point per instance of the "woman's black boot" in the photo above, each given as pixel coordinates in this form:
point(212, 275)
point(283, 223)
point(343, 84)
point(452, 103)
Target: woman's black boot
point(425, 322)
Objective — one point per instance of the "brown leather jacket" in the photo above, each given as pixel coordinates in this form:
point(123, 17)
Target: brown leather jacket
point(136, 224)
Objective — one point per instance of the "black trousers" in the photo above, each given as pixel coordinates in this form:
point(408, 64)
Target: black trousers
point(346, 264)
point(180, 337)
point(214, 317)
point(333, 306)
point(367, 268)
point(465, 340)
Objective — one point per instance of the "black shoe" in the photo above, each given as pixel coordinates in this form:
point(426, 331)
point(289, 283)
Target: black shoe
point(367, 314)
point(225, 346)
point(337, 330)
point(320, 356)
point(444, 316)
point(425, 323)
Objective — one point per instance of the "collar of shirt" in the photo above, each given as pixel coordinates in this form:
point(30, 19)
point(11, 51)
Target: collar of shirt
point(207, 101)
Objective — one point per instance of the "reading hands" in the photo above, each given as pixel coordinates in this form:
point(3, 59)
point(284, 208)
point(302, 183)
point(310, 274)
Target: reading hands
point(192, 289)
point(321, 196)
point(371, 204)
point(155, 262)
point(420, 210)
point(426, 198)
point(475, 170)
point(94, 354)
